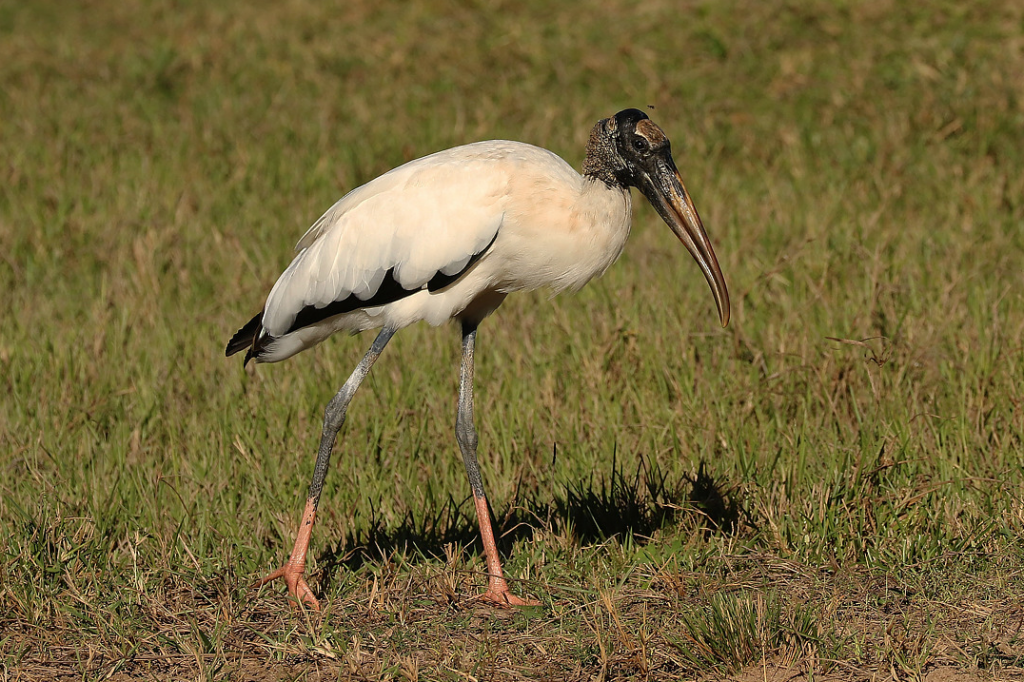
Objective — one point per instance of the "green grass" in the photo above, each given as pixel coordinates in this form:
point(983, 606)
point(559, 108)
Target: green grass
point(833, 483)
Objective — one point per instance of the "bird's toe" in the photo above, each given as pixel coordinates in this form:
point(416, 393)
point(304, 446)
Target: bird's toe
point(505, 598)
point(298, 588)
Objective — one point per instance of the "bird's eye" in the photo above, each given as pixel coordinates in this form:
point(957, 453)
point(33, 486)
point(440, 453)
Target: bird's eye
point(641, 144)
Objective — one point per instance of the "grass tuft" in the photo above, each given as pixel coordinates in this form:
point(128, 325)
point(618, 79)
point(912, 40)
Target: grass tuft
point(736, 630)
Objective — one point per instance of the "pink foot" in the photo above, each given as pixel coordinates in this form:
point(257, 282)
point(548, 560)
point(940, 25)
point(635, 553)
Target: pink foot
point(297, 586)
point(505, 598)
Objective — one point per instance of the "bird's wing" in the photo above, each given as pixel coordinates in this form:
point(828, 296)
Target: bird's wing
point(416, 227)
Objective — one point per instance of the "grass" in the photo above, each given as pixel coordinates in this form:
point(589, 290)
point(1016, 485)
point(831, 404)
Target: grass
point(832, 486)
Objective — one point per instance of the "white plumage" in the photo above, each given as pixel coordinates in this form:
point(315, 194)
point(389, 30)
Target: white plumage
point(447, 237)
point(545, 224)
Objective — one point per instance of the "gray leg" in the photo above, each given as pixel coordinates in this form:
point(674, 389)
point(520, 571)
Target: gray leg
point(465, 434)
point(465, 430)
point(334, 417)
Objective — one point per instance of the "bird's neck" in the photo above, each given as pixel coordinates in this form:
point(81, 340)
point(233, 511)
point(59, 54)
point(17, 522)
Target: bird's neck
point(600, 163)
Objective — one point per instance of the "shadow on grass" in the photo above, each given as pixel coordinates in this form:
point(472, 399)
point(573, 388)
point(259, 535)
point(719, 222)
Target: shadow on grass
point(590, 511)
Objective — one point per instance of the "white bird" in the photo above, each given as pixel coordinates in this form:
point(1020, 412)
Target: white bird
point(447, 237)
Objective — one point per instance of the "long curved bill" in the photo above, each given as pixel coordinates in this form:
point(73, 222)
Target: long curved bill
point(664, 189)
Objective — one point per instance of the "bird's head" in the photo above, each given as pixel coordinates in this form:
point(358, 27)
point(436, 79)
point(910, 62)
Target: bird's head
point(630, 150)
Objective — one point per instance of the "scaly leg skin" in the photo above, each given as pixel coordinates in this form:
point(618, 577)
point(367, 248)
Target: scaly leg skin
point(293, 570)
point(497, 589)
point(465, 432)
point(334, 418)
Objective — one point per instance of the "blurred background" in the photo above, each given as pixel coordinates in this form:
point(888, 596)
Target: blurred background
point(858, 166)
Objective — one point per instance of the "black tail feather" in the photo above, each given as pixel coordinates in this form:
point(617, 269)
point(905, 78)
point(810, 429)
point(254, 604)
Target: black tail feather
point(245, 337)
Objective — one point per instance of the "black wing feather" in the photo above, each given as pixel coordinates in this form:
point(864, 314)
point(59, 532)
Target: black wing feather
point(389, 291)
point(251, 337)
point(245, 336)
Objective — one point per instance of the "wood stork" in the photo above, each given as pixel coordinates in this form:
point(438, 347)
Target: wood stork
point(447, 237)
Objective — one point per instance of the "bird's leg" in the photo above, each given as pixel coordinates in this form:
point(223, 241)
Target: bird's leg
point(465, 433)
point(334, 417)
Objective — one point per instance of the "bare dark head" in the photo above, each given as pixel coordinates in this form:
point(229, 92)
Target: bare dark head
point(630, 150)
